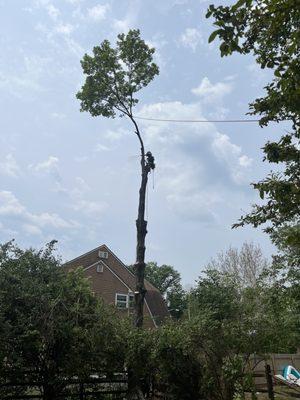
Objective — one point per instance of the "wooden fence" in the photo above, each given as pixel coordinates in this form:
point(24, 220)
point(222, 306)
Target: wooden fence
point(103, 387)
point(94, 388)
point(264, 371)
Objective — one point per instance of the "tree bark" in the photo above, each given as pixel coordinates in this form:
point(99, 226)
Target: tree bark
point(141, 227)
point(147, 163)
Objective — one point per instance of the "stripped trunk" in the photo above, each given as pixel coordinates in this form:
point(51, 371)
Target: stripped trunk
point(147, 164)
point(141, 227)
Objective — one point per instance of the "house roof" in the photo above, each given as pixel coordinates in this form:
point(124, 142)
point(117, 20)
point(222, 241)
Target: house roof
point(153, 298)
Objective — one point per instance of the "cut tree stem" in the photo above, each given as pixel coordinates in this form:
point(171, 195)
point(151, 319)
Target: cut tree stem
point(147, 163)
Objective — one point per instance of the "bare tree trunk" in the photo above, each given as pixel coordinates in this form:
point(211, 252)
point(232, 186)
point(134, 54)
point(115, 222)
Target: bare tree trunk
point(147, 163)
point(141, 227)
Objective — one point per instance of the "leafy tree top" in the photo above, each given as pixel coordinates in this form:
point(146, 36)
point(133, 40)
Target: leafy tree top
point(270, 29)
point(115, 75)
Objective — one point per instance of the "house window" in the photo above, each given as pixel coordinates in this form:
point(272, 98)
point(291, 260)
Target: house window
point(99, 268)
point(131, 300)
point(121, 300)
point(124, 300)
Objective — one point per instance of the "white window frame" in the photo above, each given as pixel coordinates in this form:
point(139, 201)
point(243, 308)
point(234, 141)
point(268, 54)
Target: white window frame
point(124, 301)
point(99, 268)
point(127, 295)
point(128, 300)
point(103, 254)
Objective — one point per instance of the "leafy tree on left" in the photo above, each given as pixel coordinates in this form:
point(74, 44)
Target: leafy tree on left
point(51, 325)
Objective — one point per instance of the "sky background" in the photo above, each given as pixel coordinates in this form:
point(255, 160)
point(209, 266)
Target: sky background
point(67, 176)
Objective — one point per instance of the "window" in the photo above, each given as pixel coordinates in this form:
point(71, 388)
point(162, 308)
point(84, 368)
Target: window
point(103, 254)
point(131, 300)
point(99, 268)
point(121, 300)
point(124, 300)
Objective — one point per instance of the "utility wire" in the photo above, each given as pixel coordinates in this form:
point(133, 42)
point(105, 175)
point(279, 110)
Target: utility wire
point(197, 120)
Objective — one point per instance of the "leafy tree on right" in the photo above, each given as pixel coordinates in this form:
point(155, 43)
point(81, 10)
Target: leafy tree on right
point(270, 30)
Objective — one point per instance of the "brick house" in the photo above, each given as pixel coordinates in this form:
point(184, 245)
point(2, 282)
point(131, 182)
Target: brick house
point(113, 281)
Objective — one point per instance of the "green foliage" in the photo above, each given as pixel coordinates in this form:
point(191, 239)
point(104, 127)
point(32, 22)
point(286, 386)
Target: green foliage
point(138, 348)
point(230, 322)
point(163, 277)
point(52, 326)
point(115, 75)
point(271, 31)
point(168, 281)
point(177, 362)
point(206, 356)
point(165, 358)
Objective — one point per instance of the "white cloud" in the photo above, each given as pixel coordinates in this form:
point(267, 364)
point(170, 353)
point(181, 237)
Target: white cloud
point(122, 25)
point(90, 208)
point(181, 185)
point(64, 29)
point(57, 115)
point(74, 1)
point(191, 38)
point(9, 166)
point(19, 84)
point(10, 207)
point(48, 166)
point(53, 12)
point(81, 159)
point(41, 3)
point(179, 2)
point(74, 47)
point(196, 162)
point(32, 229)
point(168, 133)
point(212, 93)
point(25, 80)
point(81, 189)
point(98, 12)
point(79, 202)
point(231, 154)
point(130, 19)
point(52, 220)
point(158, 42)
point(116, 134)
point(101, 147)
point(245, 161)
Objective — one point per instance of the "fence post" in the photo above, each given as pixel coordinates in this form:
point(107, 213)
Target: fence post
point(81, 391)
point(269, 382)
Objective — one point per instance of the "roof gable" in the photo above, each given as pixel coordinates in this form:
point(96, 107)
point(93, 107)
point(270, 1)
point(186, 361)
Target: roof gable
point(153, 299)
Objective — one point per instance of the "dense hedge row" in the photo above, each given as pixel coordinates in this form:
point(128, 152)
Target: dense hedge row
point(53, 328)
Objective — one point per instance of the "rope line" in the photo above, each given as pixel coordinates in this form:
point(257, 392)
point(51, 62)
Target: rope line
point(197, 120)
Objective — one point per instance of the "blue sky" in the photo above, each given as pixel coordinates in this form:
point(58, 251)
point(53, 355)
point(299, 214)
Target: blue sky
point(67, 176)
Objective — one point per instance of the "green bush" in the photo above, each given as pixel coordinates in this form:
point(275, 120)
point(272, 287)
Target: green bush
point(52, 326)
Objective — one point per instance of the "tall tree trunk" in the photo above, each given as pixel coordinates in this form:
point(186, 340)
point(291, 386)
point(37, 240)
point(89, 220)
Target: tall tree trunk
point(147, 164)
point(141, 227)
